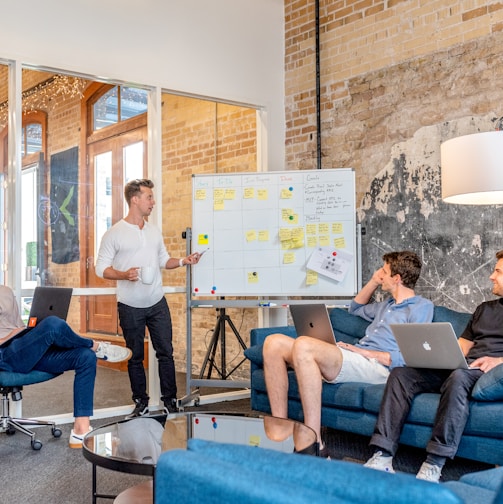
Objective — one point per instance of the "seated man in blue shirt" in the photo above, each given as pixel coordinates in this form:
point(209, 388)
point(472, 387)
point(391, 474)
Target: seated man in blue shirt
point(369, 361)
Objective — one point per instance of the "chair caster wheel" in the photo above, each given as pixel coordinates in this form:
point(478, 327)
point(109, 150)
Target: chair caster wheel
point(10, 431)
point(36, 444)
point(56, 432)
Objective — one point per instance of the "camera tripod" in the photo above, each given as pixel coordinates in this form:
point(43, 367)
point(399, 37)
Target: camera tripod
point(219, 337)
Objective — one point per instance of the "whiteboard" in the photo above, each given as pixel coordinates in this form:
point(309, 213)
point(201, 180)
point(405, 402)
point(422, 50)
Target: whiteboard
point(289, 233)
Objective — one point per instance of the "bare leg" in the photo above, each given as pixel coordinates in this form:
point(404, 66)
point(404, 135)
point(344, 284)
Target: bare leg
point(314, 360)
point(277, 358)
point(81, 425)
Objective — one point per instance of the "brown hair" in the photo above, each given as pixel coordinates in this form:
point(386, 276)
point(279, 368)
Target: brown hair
point(133, 187)
point(406, 264)
point(499, 254)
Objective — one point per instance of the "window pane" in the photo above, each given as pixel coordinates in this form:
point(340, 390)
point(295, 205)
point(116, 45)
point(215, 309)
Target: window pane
point(133, 164)
point(102, 197)
point(133, 102)
point(33, 138)
point(105, 110)
point(29, 197)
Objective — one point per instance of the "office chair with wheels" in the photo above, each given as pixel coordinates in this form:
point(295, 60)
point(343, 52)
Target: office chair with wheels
point(12, 383)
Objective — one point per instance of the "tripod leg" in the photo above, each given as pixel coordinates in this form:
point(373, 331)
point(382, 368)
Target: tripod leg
point(236, 333)
point(211, 352)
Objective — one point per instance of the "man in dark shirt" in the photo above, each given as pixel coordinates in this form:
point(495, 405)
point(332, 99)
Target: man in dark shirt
point(482, 344)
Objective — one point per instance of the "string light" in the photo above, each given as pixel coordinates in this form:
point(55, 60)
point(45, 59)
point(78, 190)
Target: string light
point(43, 96)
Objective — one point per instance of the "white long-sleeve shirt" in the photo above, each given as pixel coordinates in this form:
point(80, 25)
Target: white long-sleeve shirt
point(126, 246)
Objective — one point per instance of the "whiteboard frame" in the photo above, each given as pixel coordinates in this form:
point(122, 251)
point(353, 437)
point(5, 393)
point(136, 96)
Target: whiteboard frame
point(246, 266)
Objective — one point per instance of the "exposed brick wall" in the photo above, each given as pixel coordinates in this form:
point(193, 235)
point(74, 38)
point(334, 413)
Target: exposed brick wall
point(201, 137)
point(387, 68)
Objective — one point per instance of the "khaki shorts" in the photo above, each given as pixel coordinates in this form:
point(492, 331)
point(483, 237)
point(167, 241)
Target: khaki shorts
point(356, 368)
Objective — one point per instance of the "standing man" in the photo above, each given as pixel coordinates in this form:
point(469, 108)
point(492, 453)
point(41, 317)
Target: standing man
point(369, 361)
point(127, 248)
point(482, 344)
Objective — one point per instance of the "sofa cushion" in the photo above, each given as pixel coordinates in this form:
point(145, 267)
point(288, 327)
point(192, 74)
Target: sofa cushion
point(459, 320)
point(489, 387)
point(348, 328)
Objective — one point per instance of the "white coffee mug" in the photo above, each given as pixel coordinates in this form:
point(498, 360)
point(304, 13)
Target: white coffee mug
point(146, 274)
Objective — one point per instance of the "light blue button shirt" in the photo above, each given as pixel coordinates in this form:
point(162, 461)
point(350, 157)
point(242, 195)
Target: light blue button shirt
point(378, 335)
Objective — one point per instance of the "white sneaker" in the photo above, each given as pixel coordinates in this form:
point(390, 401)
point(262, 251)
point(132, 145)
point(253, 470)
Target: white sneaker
point(429, 472)
point(76, 439)
point(112, 353)
point(380, 463)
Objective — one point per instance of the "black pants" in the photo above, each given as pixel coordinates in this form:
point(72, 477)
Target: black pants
point(157, 319)
point(403, 384)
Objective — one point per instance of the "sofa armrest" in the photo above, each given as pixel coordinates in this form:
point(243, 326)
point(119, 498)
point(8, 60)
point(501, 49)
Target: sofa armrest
point(258, 335)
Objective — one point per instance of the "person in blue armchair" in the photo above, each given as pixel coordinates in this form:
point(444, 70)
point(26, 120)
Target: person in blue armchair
point(482, 344)
point(369, 361)
point(53, 347)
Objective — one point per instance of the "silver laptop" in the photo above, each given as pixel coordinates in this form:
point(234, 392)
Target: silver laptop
point(313, 320)
point(431, 345)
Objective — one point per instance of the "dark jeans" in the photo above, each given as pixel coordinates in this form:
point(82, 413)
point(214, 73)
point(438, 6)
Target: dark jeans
point(453, 409)
point(53, 347)
point(158, 321)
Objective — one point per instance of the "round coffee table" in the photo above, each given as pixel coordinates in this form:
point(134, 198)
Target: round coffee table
point(133, 446)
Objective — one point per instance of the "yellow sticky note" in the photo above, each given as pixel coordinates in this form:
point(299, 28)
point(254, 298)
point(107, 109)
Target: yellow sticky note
point(311, 229)
point(311, 277)
point(202, 239)
point(324, 241)
point(218, 204)
point(298, 233)
point(200, 194)
point(289, 258)
point(340, 243)
point(337, 228)
point(230, 194)
point(251, 236)
point(249, 193)
point(323, 228)
point(285, 194)
point(218, 194)
point(312, 241)
point(286, 244)
point(286, 213)
point(254, 440)
point(263, 235)
point(252, 277)
point(262, 194)
point(285, 234)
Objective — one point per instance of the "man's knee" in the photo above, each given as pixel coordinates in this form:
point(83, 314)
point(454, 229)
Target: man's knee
point(277, 343)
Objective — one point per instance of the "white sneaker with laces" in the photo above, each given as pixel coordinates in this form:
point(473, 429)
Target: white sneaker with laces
point(112, 353)
point(429, 472)
point(76, 439)
point(380, 463)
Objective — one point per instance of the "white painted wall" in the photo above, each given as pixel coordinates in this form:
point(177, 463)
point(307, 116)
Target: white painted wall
point(224, 49)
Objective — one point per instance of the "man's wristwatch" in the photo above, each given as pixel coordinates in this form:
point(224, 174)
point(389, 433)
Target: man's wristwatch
point(180, 262)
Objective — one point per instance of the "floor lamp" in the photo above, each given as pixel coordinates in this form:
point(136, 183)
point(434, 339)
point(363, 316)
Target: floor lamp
point(472, 169)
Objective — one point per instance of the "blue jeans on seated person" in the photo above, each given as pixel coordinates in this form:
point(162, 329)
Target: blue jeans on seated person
point(404, 384)
point(53, 347)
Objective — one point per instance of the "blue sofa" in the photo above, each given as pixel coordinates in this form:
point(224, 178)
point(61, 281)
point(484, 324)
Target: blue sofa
point(353, 407)
point(217, 473)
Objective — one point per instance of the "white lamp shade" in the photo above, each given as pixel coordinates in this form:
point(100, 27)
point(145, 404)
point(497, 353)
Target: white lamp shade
point(472, 169)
